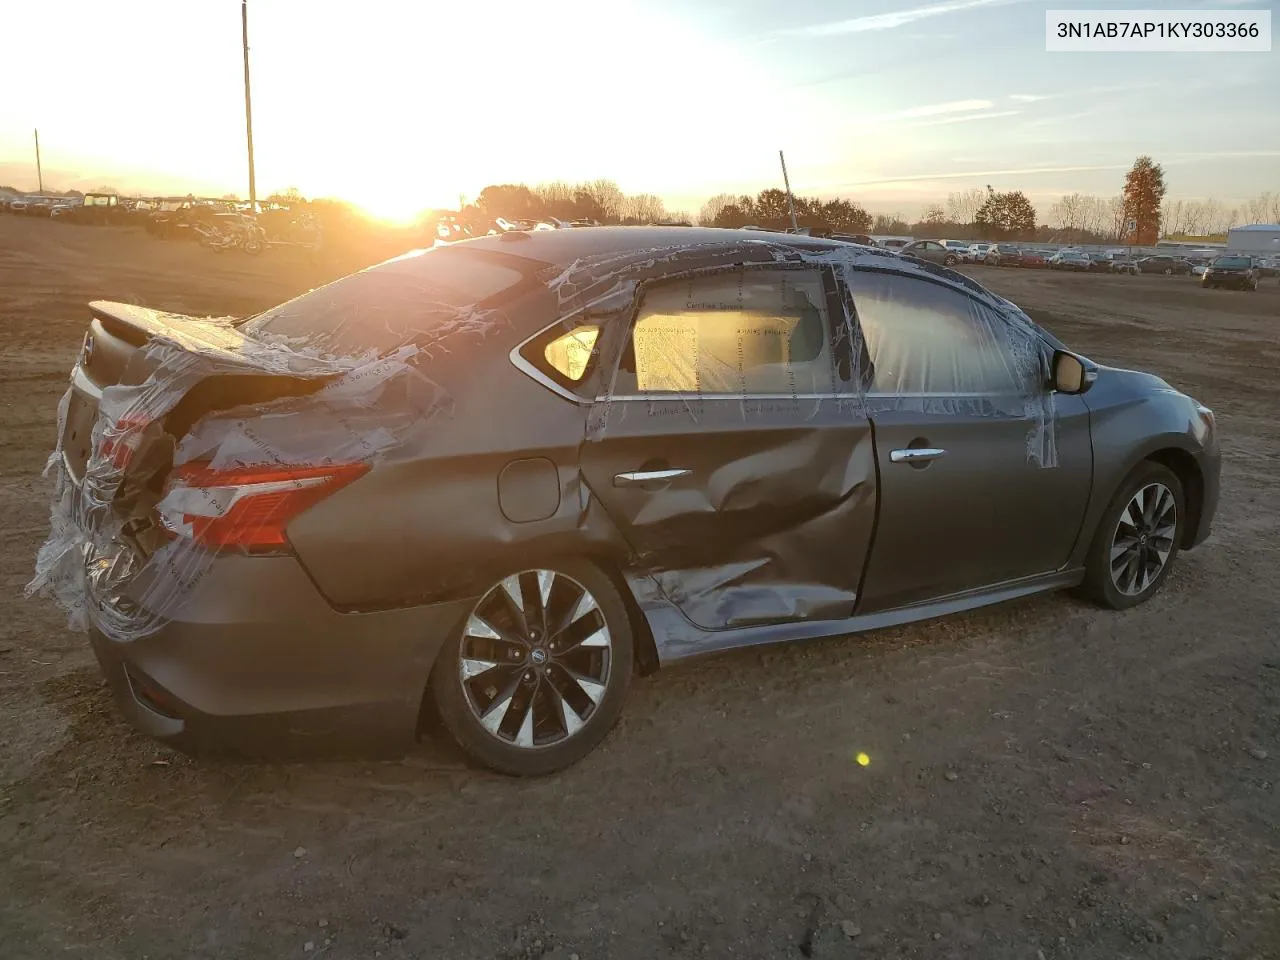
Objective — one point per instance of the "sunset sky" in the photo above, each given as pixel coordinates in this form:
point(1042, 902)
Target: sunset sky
point(399, 105)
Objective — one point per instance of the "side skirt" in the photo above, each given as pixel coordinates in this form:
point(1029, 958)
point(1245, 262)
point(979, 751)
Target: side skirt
point(676, 638)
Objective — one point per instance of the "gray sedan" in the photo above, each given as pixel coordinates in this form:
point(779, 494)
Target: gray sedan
point(933, 251)
point(501, 476)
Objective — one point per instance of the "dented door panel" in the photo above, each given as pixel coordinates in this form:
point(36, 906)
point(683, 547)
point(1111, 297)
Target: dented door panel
point(771, 523)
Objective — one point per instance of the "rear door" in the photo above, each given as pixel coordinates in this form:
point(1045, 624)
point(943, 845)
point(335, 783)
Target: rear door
point(982, 480)
point(730, 453)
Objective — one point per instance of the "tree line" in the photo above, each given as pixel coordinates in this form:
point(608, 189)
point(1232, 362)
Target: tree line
point(1139, 214)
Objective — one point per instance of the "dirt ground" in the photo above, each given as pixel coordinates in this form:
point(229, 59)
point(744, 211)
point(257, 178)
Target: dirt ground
point(1046, 780)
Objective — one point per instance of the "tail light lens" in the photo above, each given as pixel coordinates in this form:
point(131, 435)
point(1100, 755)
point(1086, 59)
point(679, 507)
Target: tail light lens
point(120, 442)
point(246, 508)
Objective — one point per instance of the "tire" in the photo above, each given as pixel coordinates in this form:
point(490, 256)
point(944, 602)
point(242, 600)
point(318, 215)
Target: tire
point(949, 261)
point(1168, 271)
point(252, 247)
point(1127, 588)
point(571, 717)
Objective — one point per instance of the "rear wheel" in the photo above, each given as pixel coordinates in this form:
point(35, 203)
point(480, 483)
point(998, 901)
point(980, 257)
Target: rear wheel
point(949, 261)
point(1137, 539)
point(538, 674)
point(1168, 271)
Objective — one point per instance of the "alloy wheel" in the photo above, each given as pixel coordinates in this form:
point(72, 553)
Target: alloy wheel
point(535, 659)
point(1143, 539)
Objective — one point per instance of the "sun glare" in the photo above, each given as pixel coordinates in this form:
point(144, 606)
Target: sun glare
point(393, 209)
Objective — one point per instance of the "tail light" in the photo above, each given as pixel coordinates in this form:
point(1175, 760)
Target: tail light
point(246, 508)
point(121, 440)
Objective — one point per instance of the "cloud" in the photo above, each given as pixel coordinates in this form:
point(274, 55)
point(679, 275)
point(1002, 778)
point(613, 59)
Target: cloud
point(968, 119)
point(934, 109)
point(1031, 97)
point(967, 174)
point(889, 21)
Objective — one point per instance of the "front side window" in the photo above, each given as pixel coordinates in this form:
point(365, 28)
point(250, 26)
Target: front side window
point(924, 338)
point(738, 333)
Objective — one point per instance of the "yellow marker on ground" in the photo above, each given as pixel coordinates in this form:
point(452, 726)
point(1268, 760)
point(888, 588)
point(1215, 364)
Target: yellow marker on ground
point(863, 759)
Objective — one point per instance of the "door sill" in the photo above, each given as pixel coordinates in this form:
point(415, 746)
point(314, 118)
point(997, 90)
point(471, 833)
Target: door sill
point(676, 638)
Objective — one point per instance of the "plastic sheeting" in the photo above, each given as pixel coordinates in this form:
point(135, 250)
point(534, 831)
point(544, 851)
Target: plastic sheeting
point(106, 549)
point(919, 338)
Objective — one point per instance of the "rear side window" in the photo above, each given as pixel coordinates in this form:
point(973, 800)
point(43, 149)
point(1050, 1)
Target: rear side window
point(923, 338)
point(569, 355)
point(421, 296)
point(738, 333)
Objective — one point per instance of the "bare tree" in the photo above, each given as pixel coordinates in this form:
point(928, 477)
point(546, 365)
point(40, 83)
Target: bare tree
point(1115, 216)
point(1067, 211)
point(1258, 208)
point(1093, 215)
point(1174, 217)
point(714, 208)
point(962, 208)
point(934, 215)
point(608, 197)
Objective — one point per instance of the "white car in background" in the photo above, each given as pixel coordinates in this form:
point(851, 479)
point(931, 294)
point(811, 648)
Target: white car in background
point(976, 252)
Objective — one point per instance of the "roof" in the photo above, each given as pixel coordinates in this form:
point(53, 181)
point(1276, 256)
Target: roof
point(563, 247)
point(1257, 228)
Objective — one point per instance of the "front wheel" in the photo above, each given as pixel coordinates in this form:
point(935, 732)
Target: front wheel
point(1137, 538)
point(1168, 271)
point(537, 675)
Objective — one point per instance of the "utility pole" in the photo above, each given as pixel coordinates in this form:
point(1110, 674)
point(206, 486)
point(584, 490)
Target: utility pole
point(39, 169)
point(791, 201)
point(248, 109)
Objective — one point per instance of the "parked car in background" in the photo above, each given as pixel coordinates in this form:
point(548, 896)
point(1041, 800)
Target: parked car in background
point(894, 243)
point(958, 247)
point(303, 525)
point(976, 253)
point(1101, 261)
point(1240, 273)
point(1124, 265)
point(1268, 266)
point(1033, 258)
point(932, 250)
point(858, 238)
point(1170, 266)
point(1070, 260)
point(1003, 255)
point(98, 209)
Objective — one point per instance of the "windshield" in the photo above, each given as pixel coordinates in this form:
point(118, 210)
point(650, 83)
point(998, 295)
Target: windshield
point(387, 305)
point(1232, 262)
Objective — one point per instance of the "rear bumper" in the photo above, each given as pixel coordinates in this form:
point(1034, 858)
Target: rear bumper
point(258, 664)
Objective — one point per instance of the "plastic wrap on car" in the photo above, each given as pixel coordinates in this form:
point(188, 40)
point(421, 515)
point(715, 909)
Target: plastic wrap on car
point(760, 577)
point(613, 285)
point(98, 567)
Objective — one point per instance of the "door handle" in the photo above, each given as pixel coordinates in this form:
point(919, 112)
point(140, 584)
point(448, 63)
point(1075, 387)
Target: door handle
point(916, 455)
point(638, 477)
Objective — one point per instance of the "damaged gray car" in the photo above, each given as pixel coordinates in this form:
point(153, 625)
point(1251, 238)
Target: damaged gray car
point(500, 476)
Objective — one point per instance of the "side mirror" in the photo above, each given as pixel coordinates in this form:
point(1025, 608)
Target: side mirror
point(1071, 374)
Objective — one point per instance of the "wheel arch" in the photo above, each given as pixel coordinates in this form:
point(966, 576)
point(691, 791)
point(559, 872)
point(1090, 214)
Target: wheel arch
point(1189, 474)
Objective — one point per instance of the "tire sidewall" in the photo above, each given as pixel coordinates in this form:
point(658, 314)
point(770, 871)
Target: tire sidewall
point(1098, 580)
point(482, 747)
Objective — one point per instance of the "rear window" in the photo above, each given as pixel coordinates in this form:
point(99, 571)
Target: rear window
point(414, 297)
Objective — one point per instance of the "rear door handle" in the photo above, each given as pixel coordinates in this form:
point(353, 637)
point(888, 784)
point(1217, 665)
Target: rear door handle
point(638, 477)
point(916, 455)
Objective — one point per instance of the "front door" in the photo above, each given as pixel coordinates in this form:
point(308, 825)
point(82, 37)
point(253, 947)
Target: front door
point(982, 480)
point(729, 454)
